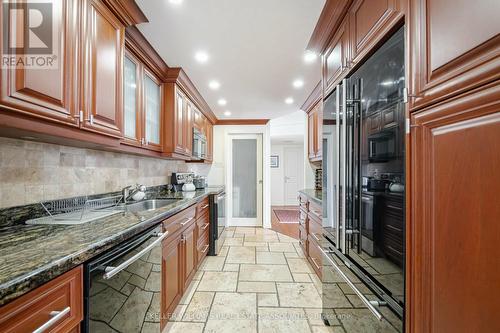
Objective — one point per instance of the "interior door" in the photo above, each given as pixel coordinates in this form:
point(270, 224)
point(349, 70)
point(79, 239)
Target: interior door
point(293, 167)
point(245, 179)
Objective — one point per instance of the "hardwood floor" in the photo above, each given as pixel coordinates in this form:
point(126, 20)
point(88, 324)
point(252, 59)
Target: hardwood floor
point(289, 229)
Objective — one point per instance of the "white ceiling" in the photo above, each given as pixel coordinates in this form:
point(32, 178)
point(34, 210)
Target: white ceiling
point(255, 50)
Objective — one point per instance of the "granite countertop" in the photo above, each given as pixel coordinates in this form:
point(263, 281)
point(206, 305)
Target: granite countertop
point(315, 195)
point(31, 255)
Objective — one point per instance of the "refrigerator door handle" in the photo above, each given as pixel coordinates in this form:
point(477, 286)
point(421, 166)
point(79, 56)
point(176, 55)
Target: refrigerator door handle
point(337, 171)
point(343, 227)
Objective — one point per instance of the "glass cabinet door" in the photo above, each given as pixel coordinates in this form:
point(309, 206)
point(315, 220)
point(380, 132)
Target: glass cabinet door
point(130, 99)
point(152, 104)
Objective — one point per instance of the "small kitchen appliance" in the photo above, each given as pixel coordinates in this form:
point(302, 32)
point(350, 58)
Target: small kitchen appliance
point(183, 181)
point(200, 182)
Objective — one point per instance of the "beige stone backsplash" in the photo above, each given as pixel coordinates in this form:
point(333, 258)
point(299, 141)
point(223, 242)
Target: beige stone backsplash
point(31, 171)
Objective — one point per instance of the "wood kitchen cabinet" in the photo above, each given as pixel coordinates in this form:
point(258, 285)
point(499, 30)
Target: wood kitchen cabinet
point(190, 255)
point(178, 123)
point(445, 62)
point(103, 38)
point(336, 59)
point(32, 310)
point(47, 94)
point(315, 132)
point(171, 280)
point(209, 132)
point(452, 249)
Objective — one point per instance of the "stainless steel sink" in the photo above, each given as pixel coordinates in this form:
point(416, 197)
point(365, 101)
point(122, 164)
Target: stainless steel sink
point(145, 205)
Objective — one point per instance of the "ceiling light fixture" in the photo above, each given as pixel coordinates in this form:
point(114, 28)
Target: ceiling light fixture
point(310, 57)
point(289, 100)
point(222, 102)
point(201, 57)
point(298, 83)
point(227, 113)
point(214, 85)
point(175, 2)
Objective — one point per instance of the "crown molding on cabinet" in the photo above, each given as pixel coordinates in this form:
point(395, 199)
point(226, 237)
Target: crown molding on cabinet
point(242, 122)
point(315, 96)
point(330, 18)
point(127, 11)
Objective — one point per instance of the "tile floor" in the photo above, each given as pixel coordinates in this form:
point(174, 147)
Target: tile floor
point(261, 282)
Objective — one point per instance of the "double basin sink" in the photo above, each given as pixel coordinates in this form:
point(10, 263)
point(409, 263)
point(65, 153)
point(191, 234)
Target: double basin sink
point(145, 205)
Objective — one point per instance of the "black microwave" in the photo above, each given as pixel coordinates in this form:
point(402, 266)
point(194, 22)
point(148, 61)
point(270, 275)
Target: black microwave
point(383, 145)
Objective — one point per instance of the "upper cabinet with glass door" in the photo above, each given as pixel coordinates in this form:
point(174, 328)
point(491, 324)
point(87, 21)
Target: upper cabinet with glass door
point(142, 105)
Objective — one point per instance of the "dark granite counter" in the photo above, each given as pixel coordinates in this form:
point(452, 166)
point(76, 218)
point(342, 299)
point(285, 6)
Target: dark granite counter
point(31, 255)
point(315, 195)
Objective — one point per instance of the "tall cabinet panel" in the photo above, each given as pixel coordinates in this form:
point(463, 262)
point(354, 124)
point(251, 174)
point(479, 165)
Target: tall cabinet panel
point(103, 66)
point(454, 265)
point(447, 61)
point(47, 93)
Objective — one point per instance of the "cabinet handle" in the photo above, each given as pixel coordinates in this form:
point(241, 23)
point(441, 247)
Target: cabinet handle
point(205, 226)
point(111, 271)
point(314, 262)
point(315, 213)
point(205, 249)
point(394, 207)
point(187, 221)
point(363, 298)
point(203, 207)
point(56, 316)
point(91, 119)
point(314, 235)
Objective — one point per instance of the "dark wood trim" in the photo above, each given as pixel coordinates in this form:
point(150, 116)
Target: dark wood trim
point(313, 98)
point(127, 11)
point(332, 14)
point(136, 43)
point(242, 122)
point(178, 76)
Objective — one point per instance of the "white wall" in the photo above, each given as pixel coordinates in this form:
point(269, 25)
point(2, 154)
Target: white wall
point(278, 174)
point(218, 175)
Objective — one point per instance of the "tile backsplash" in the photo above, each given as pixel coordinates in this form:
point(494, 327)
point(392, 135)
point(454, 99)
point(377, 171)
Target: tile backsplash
point(31, 171)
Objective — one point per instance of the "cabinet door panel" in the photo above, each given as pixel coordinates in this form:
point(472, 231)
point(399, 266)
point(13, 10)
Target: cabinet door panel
point(453, 245)
point(370, 21)
point(188, 129)
point(311, 134)
point(210, 144)
point(152, 112)
point(131, 101)
point(171, 291)
point(47, 93)
point(179, 121)
point(190, 253)
point(336, 58)
point(104, 37)
point(446, 62)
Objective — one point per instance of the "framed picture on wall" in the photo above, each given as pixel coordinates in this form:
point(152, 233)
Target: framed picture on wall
point(275, 161)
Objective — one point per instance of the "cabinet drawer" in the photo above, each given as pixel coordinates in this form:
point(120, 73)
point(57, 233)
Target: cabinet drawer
point(63, 294)
point(315, 230)
point(303, 219)
point(314, 255)
point(202, 208)
point(180, 220)
point(303, 202)
point(303, 239)
point(203, 225)
point(315, 212)
point(202, 247)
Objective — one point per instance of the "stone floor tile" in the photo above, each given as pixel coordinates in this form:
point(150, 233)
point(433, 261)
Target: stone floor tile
point(233, 242)
point(276, 258)
point(245, 230)
point(234, 306)
point(230, 326)
point(241, 255)
point(279, 273)
point(180, 327)
point(287, 239)
point(301, 277)
point(274, 320)
point(254, 244)
point(218, 281)
point(256, 287)
point(327, 329)
point(199, 307)
point(334, 298)
point(214, 263)
point(299, 295)
point(231, 268)
point(267, 300)
point(198, 275)
point(291, 254)
point(262, 248)
point(281, 247)
point(178, 312)
point(362, 321)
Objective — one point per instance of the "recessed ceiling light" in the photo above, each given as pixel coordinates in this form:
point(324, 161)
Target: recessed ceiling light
point(214, 85)
point(227, 113)
point(310, 57)
point(222, 102)
point(298, 83)
point(289, 100)
point(175, 2)
point(201, 56)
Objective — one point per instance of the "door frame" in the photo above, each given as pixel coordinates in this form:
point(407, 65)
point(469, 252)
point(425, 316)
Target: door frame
point(229, 181)
point(300, 174)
